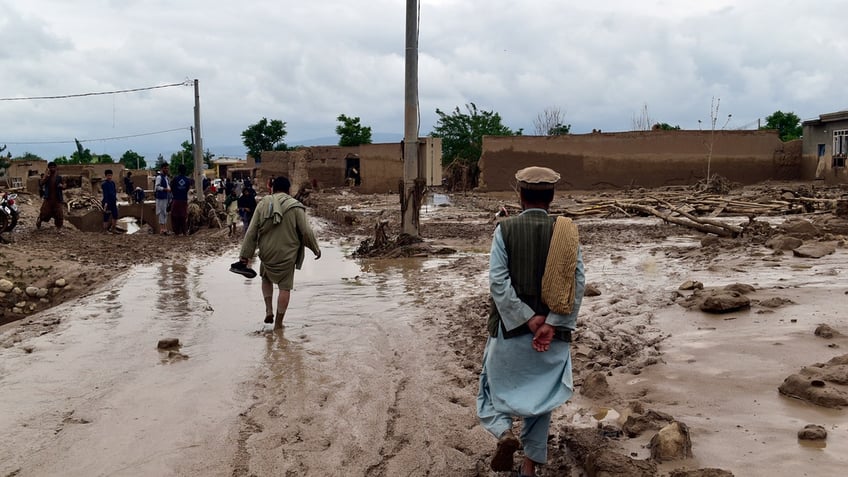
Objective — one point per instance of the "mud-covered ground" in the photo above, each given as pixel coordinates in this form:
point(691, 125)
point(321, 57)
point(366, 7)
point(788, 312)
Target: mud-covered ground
point(645, 354)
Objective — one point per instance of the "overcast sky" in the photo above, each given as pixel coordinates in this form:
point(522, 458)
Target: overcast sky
point(305, 62)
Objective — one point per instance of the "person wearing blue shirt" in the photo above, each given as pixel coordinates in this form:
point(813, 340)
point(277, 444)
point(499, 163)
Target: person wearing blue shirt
point(180, 186)
point(109, 203)
point(527, 360)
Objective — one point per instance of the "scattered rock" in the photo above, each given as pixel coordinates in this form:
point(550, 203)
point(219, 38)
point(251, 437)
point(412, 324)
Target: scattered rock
point(168, 343)
point(783, 242)
point(6, 286)
point(742, 288)
point(61, 282)
point(591, 290)
point(775, 302)
point(672, 442)
point(652, 420)
point(825, 331)
point(800, 228)
point(725, 302)
point(812, 432)
point(809, 387)
point(691, 285)
point(708, 472)
point(595, 386)
point(815, 250)
point(31, 291)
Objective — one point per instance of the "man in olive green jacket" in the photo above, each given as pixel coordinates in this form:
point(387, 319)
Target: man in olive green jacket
point(280, 231)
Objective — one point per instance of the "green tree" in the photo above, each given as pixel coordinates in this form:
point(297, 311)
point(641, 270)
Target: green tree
point(559, 130)
point(133, 160)
point(664, 127)
point(788, 125)
point(159, 161)
point(207, 158)
point(4, 160)
point(103, 159)
point(351, 132)
point(185, 156)
point(462, 134)
point(264, 136)
point(81, 155)
point(27, 156)
point(62, 160)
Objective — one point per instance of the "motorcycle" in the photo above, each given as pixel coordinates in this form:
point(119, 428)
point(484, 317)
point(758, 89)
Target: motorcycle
point(8, 212)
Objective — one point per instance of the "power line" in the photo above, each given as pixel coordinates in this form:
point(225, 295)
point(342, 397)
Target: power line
point(65, 96)
point(95, 140)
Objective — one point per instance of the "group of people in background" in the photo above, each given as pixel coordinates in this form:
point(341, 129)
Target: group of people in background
point(170, 194)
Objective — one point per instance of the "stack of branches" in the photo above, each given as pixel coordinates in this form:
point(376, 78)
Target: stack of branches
point(208, 212)
point(695, 210)
point(85, 201)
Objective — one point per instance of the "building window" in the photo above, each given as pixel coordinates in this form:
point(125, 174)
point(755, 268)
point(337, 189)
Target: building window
point(840, 147)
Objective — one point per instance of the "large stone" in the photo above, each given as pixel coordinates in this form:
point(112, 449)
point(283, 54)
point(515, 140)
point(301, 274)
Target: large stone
point(812, 432)
point(606, 462)
point(31, 291)
point(800, 228)
point(811, 388)
point(784, 242)
point(6, 286)
point(672, 442)
point(595, 386)
point(815, 249)
point(725, 302)
point(168, 343)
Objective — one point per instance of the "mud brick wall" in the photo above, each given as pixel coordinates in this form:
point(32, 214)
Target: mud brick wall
point(642, 158)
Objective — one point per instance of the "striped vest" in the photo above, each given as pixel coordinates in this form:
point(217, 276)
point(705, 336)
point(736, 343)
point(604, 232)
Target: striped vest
point(527, 238)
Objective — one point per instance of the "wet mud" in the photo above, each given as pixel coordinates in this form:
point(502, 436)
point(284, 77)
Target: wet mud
point(375, 372)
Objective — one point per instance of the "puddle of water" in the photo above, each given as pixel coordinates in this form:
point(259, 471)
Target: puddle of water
point(95, 397)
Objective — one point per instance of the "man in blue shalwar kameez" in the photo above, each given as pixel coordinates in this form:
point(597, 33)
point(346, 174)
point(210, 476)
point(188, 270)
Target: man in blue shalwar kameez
point(527, 361)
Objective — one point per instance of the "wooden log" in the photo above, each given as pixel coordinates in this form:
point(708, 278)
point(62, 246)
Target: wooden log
point(722, 230)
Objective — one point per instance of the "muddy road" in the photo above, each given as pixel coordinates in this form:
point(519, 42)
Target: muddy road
point(353, 385)
point(375, 373)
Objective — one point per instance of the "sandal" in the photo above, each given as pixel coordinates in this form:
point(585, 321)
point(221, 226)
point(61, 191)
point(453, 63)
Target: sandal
point(503, 459)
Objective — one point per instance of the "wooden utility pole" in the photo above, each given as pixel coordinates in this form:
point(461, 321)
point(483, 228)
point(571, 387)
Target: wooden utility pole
point(411, 190)
point(198, 145)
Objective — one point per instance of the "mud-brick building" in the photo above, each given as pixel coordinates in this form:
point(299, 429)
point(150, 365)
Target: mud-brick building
point(642, 158)
point(370, 168)
point(826, 147)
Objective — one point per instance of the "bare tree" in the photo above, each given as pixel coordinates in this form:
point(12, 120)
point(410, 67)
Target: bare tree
point(551, 122)
point(711, 142)
point(643, 121)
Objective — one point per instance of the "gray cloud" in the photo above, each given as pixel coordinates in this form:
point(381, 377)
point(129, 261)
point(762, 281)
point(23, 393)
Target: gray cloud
point(306, 62)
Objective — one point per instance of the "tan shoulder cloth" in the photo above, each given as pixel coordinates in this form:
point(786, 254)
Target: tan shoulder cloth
point(558, 282)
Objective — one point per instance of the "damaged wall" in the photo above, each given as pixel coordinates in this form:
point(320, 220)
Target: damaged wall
point(641, 158)
point(380, 165)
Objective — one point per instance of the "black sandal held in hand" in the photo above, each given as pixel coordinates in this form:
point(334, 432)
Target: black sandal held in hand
point(242, 269)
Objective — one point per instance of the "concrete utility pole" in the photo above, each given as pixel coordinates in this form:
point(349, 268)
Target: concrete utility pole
point(198, 145)
point(410, 199)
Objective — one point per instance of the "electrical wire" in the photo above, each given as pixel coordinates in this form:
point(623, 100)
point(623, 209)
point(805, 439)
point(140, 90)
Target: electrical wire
point(99, 139)
point(132, 90)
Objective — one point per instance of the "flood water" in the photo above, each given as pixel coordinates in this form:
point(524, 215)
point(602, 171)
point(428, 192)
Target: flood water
point(96, 396)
